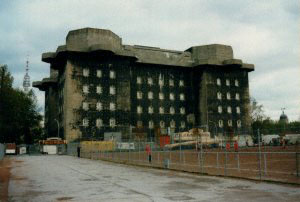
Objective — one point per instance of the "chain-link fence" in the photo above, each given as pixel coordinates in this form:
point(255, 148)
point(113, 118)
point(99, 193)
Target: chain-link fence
point(263, 157)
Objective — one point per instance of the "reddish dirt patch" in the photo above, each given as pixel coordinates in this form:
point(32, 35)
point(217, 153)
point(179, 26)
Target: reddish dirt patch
point(4, 178)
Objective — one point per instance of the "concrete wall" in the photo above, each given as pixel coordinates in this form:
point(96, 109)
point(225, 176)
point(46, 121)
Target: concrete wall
point(73, 98)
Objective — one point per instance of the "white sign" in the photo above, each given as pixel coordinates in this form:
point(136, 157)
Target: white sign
point(125, 145)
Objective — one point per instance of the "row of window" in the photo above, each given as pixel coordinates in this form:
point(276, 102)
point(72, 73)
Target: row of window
point(99, 106)
point(227, 82)
point(228, 96)
point(86, 73)
point(112, 107)
point(99, 90)
point(229, 110)
point(161, 96)
point(161, 81)
point(139, 80)
point(99, 122)
point(161, 110)
point(229, 123)
point(112, 123)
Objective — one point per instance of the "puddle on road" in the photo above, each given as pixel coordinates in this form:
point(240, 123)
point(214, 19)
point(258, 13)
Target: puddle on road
point(89, 180)
point(66, 198)
point(179, 198)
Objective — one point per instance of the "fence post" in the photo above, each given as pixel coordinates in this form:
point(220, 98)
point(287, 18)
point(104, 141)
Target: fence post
point(265, 162)
point(238, 161)
point(201, 155)
point(139, 151)
point(179, 148)
point(218, 160)
point(259, 155)
point(225, 162)
point(297, 163)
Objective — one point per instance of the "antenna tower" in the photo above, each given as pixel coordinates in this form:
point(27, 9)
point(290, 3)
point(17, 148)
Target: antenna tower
point(26, 81)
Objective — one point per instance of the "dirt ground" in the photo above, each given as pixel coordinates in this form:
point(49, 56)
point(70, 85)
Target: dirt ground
point(274, 164)
point(5, 166)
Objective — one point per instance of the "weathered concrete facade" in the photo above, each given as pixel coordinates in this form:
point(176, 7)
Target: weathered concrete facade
point(102, 85)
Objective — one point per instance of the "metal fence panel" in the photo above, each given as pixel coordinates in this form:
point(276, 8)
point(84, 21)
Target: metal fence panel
point(2, 150)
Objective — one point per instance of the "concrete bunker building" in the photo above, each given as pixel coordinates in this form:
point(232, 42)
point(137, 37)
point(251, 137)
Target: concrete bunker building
point(97, 85)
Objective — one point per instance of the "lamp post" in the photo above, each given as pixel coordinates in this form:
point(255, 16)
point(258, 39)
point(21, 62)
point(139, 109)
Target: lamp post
point(57, 127)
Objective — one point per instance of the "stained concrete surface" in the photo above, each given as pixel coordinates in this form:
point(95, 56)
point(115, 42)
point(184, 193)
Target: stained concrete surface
point(65, 178)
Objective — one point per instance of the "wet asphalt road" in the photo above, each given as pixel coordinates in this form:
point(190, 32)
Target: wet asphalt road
point(65, 178)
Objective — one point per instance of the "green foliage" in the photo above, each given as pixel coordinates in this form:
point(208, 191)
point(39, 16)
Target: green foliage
point(19, 119)
point(266, 125)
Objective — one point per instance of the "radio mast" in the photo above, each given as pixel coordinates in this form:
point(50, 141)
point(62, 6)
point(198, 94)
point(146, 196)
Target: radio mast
point(26, 81)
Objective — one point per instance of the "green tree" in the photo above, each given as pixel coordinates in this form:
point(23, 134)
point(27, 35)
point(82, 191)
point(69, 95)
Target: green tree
point(19, 118)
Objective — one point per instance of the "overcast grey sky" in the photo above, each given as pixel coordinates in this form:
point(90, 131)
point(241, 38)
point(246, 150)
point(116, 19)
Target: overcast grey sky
point(262, 32)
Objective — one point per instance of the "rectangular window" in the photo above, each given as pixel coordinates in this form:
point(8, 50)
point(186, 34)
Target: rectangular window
point(99, 106)
point(139, 80)
point(85, 72)
point(112, 74)
point(162, 124)
point(139, 110)
point(150, 81)
point(99, 73)
point(112, 90)
point(182, 124)
point(218, 81)
point(151, 124)
point(150, 110)
point(237, 96)
point(228, 96)
point(112, 106)
point(182, 110)
point(229, 122)
point(172, 96)
point(236, 83)
point(98, 89)
point(161, 82)
point(85, 122)
point(99, 123)
point(171, 82)
point(220, 109)
point(221, 123)
point(239, 123)
point(161, 110)
point(238, 110)
point(85, 89)
point(161, 96)
point(112, 122)
point(181, 83)
point(219, 96)
point(227, 82)
point(172, 110)
point(150, 95)
point(139, 95)
point(229, 110)
point(85, 106)
point(182, 97)
point(172, 124)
